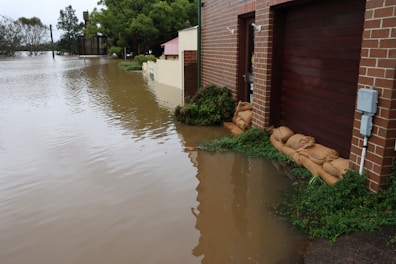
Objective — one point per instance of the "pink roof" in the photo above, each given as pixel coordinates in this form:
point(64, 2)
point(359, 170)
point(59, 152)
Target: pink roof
point(171, 47)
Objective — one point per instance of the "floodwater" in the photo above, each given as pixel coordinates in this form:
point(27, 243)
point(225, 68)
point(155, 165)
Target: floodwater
point(93, 169)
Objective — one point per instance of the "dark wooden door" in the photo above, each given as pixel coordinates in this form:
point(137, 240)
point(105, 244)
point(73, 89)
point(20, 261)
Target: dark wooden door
point(246, 58)
point(316, 89)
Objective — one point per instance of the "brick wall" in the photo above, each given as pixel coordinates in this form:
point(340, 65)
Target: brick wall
point(377, 69)
point(219, 51)
point(190, 56)
point(190, 73)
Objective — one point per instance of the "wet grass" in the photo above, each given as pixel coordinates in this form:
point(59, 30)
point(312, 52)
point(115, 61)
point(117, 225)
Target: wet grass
point(253, 143)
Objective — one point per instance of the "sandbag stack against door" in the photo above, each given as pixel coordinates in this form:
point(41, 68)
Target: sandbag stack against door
point(318, 159)
point(243, 115)
point(242, 119)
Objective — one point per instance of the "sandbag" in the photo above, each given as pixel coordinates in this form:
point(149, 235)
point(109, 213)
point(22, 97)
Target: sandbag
point(242, 106)
point(229, 125)
point(319, 153)
point(246, 116)
point(310, 165)
point(328, 178)
point(299, 141)
point(337, 167)
point(296, 158)
point(287, 151)
point(235, 130)
point(291, 153)
point(282, 133)
point(234, 119)
point(241, 123)
point(277, 144)
point(317, 170)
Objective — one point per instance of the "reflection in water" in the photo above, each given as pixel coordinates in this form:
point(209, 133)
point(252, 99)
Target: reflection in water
point(233, 217)
point(93, 170)
point(122, 99)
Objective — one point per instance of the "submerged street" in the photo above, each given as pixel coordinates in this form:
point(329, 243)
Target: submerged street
point(93, 169)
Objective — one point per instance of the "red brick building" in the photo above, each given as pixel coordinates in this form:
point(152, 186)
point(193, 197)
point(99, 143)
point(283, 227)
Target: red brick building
point(301, 63)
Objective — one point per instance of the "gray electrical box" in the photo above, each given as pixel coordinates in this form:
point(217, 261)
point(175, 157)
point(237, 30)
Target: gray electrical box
point(367, 101)
point(366, 124)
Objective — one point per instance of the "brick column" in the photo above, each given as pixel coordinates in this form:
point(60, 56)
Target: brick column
point(262, 64)
point(190, 73)
point(377, 69)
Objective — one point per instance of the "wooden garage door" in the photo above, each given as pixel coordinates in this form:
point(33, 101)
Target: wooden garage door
point(319, 71)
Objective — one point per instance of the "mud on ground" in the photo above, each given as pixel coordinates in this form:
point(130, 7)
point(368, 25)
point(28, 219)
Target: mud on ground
point(360, 248)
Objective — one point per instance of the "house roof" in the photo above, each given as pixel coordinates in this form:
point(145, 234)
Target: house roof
point(171, 47)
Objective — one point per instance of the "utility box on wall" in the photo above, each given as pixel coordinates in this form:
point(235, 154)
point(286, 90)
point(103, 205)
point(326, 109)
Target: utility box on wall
point(366, 124)
point(367, 101)
point(367, 104)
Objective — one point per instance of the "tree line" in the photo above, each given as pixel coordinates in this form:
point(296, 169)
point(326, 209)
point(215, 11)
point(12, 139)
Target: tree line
point(141, 25)
point(133, 25)
point(23, 34)
point(30, 34)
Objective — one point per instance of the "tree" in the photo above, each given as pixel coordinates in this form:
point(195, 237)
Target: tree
point(68, 22)
point(141, 24)
point(183, 10)
point(10, 36)
point(34, 33)
point(127, 21)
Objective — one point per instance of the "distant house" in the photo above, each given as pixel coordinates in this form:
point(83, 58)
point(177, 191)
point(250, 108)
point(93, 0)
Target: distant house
point(91, 46)
point(171, 49)
point(301, 63)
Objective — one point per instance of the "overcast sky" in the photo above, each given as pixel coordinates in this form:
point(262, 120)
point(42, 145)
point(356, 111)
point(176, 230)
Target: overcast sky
point(46, 10)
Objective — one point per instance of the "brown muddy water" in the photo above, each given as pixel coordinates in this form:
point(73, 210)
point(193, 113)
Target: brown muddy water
point(93, 170)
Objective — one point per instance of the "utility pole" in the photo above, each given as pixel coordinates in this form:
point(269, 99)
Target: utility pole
point(52, 43)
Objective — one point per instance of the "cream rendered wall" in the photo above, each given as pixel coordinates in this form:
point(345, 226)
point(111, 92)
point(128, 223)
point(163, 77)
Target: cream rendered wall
point(166, 72)
point(188, 39)
point(171, 72)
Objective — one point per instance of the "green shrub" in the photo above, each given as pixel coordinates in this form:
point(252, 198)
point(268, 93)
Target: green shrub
point(144, 58)
point(130, 65)
point(116, 50)
point(137, 62)
point(210, 106)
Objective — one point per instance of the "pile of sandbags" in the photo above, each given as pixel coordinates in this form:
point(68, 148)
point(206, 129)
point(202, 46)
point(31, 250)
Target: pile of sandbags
point(234, 129)
point(243, 115)
point(242, 118)
point(318, 159)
